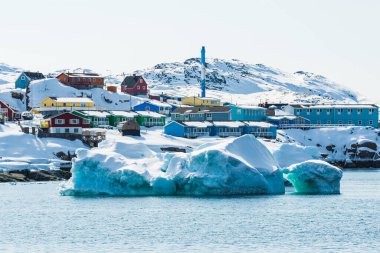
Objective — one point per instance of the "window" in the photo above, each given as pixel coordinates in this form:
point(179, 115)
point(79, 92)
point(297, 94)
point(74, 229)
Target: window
point(143, 87)
point(340, 110)
point(52, 104)
point(74, 121)
point(44, 105)
point(371, 111)
point(67, 130)
point(360, 122)
point(319, 111)
point(308, 111)
point(349, 111)
point(328, 111)
point(23, 78)
point(59, 121)
point(371, 122)
point(76, 130)
point(340, 122)
point(350, 122)
point(138, 87)
point(58, 130)
point(141, 80)
point(328, 122)
point(318, 122)
point(86, 121)
point(239, 111)
point(64, 104)
point(360, 111)
point(298, 111)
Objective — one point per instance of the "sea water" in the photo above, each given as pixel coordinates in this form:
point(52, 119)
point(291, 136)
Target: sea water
point(34, 217)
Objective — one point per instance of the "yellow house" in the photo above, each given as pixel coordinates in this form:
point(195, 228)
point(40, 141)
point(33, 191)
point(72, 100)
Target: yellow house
point(199, 101)
point(51, 102)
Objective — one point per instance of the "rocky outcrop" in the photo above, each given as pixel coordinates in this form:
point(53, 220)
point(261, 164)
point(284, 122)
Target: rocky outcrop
point(34, 175)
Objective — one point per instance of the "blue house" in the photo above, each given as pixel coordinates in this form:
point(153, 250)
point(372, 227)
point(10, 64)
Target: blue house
point(189, 129)
point(247, 112)
point(154, 106)
point(201, 113)
point(26, 77)
point(227, 128)
point(288, 121)
point(337, 114)
point(260, 129)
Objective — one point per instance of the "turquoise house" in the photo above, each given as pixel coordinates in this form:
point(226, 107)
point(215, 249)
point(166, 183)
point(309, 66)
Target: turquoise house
point(247, 112)
point(26, 77)
point(337, 114)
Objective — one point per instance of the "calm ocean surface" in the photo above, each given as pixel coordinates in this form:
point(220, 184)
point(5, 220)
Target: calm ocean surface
point(34, 217)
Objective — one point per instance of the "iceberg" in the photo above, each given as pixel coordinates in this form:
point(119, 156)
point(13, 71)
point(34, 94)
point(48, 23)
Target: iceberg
point(240, 166)
point(314, 177)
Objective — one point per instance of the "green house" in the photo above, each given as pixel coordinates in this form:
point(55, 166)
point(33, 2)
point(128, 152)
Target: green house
point(97, 118)
point(116, 117)
point(150, 119)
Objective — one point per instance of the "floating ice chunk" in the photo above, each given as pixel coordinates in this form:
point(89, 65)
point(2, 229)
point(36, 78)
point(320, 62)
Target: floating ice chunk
point(291, 153)
point(314, 177)
point(235, 166)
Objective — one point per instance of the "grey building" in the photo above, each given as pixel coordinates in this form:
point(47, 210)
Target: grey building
point(201, 113)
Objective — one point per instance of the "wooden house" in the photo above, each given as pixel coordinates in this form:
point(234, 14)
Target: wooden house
point(65, 103)
point(288, 121)
point(130, 127)
point(97, 118)
point(116, 117)
point(154, 106)
point(8, 112)
point(247, 112)
point(202, 113)
point(260, 129)
point(26, 77)
point(134, 85)
point(150, 119)
point(65, 123)
point(81, 80)
point(228, 128)
point(201, 101)
point(188, 129)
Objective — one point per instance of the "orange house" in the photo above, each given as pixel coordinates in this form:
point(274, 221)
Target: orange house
point(81, 80)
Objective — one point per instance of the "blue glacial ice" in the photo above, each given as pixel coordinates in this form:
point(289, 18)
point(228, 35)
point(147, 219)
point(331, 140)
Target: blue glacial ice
point(314, 177)
point(241, 166)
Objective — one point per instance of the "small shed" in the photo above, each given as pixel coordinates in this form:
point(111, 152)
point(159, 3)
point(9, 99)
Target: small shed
point(130, 127)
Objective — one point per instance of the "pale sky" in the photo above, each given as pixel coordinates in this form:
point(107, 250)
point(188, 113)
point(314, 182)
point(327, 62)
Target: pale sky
point(339, 39)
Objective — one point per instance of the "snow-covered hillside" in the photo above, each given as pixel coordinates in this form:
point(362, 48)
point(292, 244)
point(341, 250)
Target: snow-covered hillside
point(233, 80)
point(230, 80)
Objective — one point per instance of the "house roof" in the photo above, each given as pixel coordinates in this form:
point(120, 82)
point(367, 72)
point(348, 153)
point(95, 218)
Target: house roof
point(60, 114)
point(280, 117)
point(333, 106)
point(201, 109)
point(248, 107)
point(34, 75)
point(228, 123)
point(130, 81)
point(98, 114)
point(81, 74)
point(150, 114)
point(156, 103)
point(127, 114)
point(72, 100)
point(196, 123)
point(258, 123)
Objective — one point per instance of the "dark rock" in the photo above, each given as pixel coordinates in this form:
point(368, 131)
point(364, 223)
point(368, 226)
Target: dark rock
point(330, 148)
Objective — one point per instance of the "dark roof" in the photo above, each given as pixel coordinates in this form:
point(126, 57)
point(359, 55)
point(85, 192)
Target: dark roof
point(197, 109)
point(34, 75)
point(130, 81)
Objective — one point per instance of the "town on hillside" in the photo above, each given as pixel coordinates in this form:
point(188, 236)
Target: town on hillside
point(180, 116)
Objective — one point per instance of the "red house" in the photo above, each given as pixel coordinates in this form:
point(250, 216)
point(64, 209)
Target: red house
point(65, 123)
point(134, 85)
point(8, 113)
point(81, 80)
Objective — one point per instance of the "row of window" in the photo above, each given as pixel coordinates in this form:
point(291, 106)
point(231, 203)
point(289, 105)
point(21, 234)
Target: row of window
point(250, 112)
point(66, 130)
point(349, 122)
point(66, 104)
point(71, 121)
point(339, 111)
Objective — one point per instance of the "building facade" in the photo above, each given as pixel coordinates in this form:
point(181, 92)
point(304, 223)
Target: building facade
point(154, 106)
point(189, 129)
point(116, 117)
point(26, 77)
point(201, 101)
point(199, 113)
point(150, 119)
point(248, 113)
point(64, 103)
point(288, 121)
point(81, 80)
point(8, 113)
point(65, 123)
point(134, 85)
point(337, 114)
